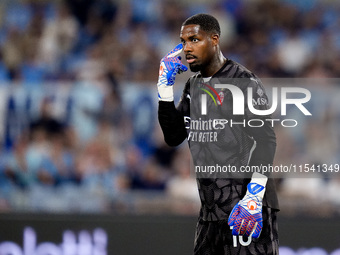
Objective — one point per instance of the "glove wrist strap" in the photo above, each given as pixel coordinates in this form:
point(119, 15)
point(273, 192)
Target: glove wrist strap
point(257, 185)
point(165, 93)
point(259, 179)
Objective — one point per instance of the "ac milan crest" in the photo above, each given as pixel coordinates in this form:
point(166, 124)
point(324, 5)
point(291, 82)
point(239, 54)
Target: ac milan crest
point(221, 94)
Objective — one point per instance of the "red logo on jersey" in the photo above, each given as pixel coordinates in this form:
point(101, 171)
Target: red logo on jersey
point(219, 102)
point(221, 94)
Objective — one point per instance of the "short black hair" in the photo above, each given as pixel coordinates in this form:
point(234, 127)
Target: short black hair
point(206, 22)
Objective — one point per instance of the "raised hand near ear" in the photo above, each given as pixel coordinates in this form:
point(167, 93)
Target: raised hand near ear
point(170, 66)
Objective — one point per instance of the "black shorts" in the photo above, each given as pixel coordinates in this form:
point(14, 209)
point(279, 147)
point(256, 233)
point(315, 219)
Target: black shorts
point(215, 238)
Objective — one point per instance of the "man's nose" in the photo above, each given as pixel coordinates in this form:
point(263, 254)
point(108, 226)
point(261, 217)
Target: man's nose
point(187, 48)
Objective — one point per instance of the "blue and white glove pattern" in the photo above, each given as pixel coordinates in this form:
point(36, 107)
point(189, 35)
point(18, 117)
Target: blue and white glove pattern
point(170, 66)
point(246, 216)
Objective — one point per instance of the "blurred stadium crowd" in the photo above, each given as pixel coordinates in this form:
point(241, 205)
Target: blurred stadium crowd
point(73, 137)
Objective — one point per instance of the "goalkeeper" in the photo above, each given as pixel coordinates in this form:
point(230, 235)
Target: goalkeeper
point(238, 213)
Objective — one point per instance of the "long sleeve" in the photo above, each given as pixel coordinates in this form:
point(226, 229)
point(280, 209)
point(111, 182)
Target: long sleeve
point(265, 142)
point(265, 145)
point(171, 121)
point(264, 135)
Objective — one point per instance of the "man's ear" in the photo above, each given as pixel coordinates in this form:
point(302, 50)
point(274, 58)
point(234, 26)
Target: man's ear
point(215, 38)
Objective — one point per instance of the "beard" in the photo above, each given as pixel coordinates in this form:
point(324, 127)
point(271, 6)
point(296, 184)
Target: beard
point(195, 67)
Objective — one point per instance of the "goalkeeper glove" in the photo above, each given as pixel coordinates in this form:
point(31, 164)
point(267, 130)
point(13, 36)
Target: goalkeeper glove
point(170, 66)
point(246, 216)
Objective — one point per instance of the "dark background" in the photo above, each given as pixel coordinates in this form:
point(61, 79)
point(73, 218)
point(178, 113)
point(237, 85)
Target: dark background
point(149, 234)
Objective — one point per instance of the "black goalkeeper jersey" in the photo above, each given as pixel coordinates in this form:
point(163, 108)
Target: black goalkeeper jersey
point(218, 137)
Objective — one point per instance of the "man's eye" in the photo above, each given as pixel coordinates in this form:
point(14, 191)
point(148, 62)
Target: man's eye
point(195, 40)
